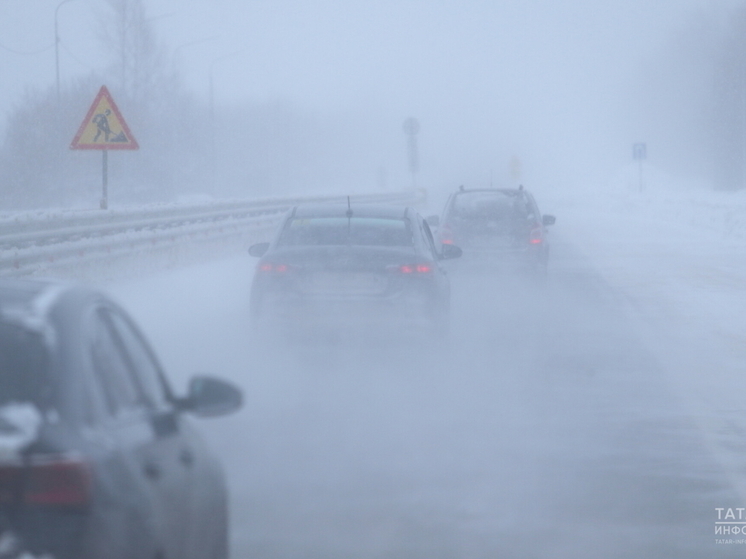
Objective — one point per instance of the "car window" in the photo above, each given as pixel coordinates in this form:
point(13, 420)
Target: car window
point(358, 231)
point(144, 366)
point(489, 206)
point(23, 366)
point(111, 368)
point(428, 237)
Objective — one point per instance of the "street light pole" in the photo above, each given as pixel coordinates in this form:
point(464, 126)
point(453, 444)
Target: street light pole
point(212, 105)
point(57, 46)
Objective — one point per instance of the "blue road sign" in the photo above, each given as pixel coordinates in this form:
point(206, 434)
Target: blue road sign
point(640, 151)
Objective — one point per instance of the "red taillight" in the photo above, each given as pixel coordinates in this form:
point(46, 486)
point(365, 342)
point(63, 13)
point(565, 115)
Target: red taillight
point(536, 236)
point(412, 268)
point(64, 482)
point(446, 234)
point(52, 482)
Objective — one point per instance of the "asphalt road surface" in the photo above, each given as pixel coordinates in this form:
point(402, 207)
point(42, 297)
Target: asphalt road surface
point(548, 428)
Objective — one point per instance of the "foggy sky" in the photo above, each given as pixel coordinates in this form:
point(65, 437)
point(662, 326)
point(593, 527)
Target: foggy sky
point(541, 78)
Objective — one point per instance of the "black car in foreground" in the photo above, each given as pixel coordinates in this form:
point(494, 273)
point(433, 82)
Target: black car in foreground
point(97, 458)
point(495, 228)
point(343, 266)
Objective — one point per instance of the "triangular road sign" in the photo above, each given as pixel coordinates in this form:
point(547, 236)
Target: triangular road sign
point(103, 127)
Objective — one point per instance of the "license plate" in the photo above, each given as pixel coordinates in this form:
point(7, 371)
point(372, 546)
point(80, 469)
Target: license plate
point(334, 283)
point(495, 241)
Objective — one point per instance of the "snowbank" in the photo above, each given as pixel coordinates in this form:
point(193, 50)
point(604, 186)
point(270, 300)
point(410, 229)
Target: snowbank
point(685, 204)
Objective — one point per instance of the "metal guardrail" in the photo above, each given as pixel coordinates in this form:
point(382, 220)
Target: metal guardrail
point(29, 244)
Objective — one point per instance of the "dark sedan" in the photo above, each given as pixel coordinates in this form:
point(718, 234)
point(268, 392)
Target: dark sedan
point(336, 265)
point(97, 458)
point(496, 228)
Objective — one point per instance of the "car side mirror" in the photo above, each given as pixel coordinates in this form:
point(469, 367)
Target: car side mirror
point(548, 219)
point(210, 397)
point(433, 220)
point(259, 249)
point(447, 252)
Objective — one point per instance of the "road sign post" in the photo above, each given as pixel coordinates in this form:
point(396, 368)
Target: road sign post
point(104, 128)
point(105, 180)
point(640, 154)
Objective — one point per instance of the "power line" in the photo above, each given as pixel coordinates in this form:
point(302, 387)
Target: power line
point(75, 58)
point(26, 53)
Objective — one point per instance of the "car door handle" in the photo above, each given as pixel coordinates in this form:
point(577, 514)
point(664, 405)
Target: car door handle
point(186, 457)
point(151, 470)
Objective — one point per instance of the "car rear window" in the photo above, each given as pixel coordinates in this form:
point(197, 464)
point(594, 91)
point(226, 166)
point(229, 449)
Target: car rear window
point(489, 206)
point(359, 231)
point(23, 366)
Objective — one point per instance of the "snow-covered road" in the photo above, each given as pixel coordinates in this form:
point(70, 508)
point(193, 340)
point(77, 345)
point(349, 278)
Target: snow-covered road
point(679, 261)
point(599, 416)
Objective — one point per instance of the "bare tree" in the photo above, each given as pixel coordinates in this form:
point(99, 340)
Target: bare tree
point(692, 99)
point(729, 104)
point(138, 61)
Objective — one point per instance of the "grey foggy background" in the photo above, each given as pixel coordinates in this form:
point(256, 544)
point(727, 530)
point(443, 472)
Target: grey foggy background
point(311, 96)
point(373, 451)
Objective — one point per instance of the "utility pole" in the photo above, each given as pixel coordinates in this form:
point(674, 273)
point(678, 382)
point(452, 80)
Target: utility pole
point(743, 124)
point(57, 46)
point(213, 149)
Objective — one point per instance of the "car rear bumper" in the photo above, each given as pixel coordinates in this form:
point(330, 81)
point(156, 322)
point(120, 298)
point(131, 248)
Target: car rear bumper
point(101, 532)
point(31, 535)
point(528, 259)
point(292, 312)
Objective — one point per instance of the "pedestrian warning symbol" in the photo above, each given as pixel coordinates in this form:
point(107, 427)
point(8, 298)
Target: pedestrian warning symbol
point(103, 126)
